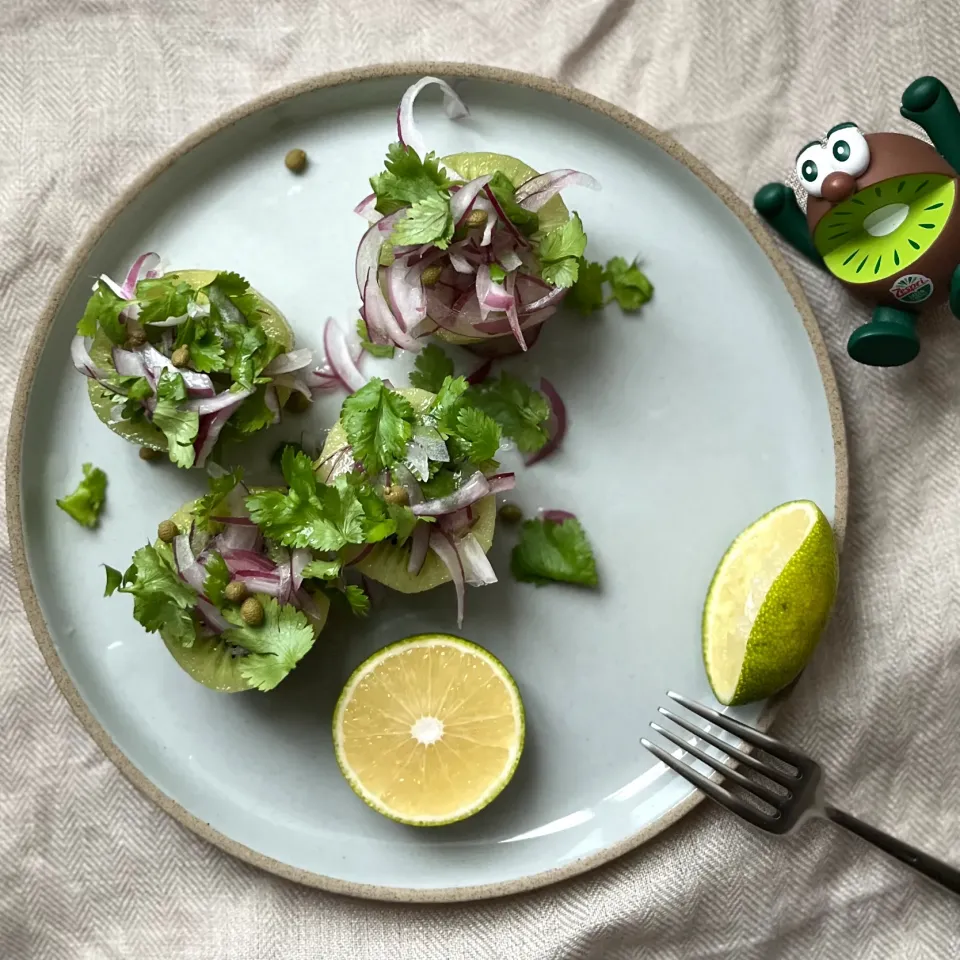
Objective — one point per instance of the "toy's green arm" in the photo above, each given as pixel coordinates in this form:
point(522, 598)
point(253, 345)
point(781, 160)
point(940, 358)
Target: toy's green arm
point(777, 205)
point(927, 102)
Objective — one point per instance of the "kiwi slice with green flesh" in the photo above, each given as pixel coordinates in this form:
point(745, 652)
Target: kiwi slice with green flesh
point(210, 660)
point(552, 214)
point(386, 562)
point(101, 352)
point(878, 232)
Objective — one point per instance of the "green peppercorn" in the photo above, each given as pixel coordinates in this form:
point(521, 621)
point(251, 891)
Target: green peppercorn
point(431, 275)
point(511, 513)
point(252, 612)
point(167, 531)
point(235, 591)
point(396, 495)
point(297, 403)
point(296, 161)
point(148, 453)
point(181, 356)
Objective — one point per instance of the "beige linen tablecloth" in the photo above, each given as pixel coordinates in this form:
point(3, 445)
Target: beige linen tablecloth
point(91, 91)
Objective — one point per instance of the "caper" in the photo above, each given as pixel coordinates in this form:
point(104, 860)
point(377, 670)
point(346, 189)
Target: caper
point(510, 513)
point(396, 495)
point(148, 453)
point(252, 612)
point(431, 275)
point(477, 218)
point(296, 161)
point(167, 531)
point(297, 403)
point(181, 356)
point(235, 591)
point(136, 338)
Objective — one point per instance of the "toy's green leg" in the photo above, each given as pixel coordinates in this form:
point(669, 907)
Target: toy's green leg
point(888, 340)
point(777, 205)
point(955, 292)
point(927, 102)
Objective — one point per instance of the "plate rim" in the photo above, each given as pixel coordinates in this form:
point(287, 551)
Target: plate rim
point(37, 343)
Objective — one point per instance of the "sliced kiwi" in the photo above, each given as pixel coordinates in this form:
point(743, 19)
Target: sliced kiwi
point(146, 434)
point(386, 562)
point(879, 231)
point(210, 661)
point(472, 165)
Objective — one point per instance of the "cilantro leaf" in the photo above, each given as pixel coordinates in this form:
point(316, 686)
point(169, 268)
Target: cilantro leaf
point(478, 436)
point(448, 402)
point(553, 551)
point(180, 427)
point(427, 221)
point(431, 368)
point(378, 423)
point(86, 502)
point(425, 447)
point(276, 646)
point(587, 293)
point(521, 411)
point(140, 389)
point(276, 458)
point(241, 355)
point(163, 297)
point(631, 289)
point(237, 290)
point(161, 600)
point(103, 312)
point(358, 600)
point(297, 469)
point(322, 569)
point(497, 273)
point(384, 350)
point(560, 251)
point(407, 179)
point(211, 504)
point(404, 521)
point(441, 484)
point(254, 414)
point(526, 221)
point(218, 576)
point(206, 350)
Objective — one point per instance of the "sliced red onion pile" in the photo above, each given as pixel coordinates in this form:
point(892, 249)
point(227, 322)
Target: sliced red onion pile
point(466, 300)
point(244, 552)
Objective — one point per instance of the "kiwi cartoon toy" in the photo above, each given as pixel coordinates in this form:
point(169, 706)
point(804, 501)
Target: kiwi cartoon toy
point(883, 217)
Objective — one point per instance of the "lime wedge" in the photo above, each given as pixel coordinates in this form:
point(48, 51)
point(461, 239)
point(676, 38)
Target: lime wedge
point(769, 602)
point(429, 730)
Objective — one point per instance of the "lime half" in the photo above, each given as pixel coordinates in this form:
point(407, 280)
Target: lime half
point(769, 602)
point(429, 730)
point(880, 231)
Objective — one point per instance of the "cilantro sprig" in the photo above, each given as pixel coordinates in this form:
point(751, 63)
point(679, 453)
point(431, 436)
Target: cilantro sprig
point(627, 283)
point(560, 251)
point(86, 502)
point(554, 551)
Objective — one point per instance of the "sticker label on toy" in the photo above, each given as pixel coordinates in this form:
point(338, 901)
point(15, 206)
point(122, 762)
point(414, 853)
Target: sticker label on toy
point(912, 288)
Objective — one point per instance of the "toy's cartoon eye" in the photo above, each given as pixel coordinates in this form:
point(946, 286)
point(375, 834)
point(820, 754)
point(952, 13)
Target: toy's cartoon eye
point(848, 148)
point(813, 164)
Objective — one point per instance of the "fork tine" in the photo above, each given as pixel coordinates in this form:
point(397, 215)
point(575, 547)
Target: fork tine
point(713, 790)
point(762, 790)
point(774, 747)
point(778, 776)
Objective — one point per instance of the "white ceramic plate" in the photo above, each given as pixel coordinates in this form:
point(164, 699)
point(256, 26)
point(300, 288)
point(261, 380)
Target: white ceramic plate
point(688, 422)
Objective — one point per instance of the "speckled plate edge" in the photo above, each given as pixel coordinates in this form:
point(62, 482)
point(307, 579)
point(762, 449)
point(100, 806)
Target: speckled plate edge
point(38, 341)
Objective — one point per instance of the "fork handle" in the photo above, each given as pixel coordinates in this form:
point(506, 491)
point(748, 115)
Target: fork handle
point(936, 870)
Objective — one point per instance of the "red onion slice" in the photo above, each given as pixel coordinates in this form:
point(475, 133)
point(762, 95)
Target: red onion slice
point(477, 569)
point(559, 423)
point(212, 616)
point(381, 323)
point(299, 558)
point(293, 384)
point(443, 547)
point(368, 252)
point(476, 488)
point(288, 362)
point(460, 263)
point(238, 536)
point(462, 201)
point(517, 235)
point(554, 296)
point(490, 294)
point(272, 402)
point(190, 571)
point(197, 384)
point(226, 398)
point(209, 432)
point(512, 318)
point(363, 553)
point(419, 545)
point(509, 260)
point(407, 300)
point(457, 522)
point(548, 184)
point(557, 516)
point(269, 585)
point(238, 559)
point(338, 356)
point(128, 363)
point(144, 264)
point(80, 354)
point(367, 208)
point(406, 128)
point(502, 482)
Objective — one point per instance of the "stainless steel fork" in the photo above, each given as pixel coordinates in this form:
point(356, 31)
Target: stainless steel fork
point(788, 797)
